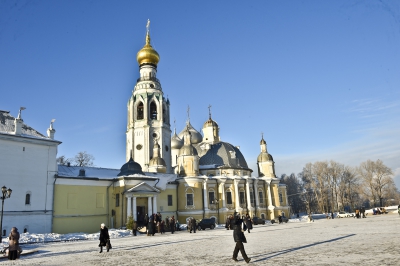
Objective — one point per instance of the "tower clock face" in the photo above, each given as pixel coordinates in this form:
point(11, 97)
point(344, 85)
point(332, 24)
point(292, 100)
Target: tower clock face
point(139, 146)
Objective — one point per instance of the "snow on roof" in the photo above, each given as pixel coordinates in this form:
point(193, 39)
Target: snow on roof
point(108, 173)
point(7, 126)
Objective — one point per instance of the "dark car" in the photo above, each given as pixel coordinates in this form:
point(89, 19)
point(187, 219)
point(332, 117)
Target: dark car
point(258, 220)
point(206, 223)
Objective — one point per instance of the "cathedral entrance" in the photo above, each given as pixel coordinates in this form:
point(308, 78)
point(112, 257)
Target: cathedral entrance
point(141, 212)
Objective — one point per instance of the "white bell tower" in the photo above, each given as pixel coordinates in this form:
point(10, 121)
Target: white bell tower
point(148, 112)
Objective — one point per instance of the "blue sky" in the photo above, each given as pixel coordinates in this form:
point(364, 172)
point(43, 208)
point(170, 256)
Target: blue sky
point(320, 79)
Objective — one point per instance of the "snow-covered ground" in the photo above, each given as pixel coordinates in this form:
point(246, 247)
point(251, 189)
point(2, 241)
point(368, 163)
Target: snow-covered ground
point(371, 241)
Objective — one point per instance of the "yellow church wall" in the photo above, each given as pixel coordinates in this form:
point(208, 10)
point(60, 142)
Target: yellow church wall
point(162, 200)
point(79, 208)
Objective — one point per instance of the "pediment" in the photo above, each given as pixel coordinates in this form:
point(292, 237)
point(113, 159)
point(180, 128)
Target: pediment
point(143, 187)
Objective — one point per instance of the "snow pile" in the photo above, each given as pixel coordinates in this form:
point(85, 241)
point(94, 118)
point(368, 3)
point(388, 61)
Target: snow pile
point(28, 238)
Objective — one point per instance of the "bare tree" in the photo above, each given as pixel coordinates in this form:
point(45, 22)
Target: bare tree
point(383, 178)
point(62, 160)
point(83, 159)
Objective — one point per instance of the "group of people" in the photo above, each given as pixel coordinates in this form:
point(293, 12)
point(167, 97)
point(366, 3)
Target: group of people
point(247, 222)
point(155, 224)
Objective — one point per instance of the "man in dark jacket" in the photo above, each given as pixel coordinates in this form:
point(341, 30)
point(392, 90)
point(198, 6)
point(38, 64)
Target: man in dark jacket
point(172, 224)
point(239, 238)
point(193, 225)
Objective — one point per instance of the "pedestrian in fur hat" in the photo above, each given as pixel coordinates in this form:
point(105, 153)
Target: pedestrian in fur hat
point(104, 237)
point(13, 244)
point(239, 238)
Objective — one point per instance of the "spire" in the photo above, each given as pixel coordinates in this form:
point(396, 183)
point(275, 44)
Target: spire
point(148, 32)
point(188, 113)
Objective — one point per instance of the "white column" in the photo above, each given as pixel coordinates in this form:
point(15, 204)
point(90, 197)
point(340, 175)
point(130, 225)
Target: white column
point(206, 195)
point(256, 193)
point(269, 194)
point(150, 210)
point(155, 204)
point(134, 209)
point(237, 206)
point(222, 185)
point(129, 206)
point(248, 194)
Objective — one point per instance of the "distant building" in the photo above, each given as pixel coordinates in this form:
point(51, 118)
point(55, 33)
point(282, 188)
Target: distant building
point(27, 166)
point(186, 175)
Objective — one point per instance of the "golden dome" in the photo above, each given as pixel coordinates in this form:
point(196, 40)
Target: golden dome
point(147, 55)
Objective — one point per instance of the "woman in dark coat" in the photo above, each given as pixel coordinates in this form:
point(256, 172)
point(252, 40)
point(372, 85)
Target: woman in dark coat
point(104, 237)
point(249, 223)
point(150, 226)
point(13, 244)
point(239, 238)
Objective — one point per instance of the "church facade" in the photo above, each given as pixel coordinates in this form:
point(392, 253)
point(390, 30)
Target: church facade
point(184, 175)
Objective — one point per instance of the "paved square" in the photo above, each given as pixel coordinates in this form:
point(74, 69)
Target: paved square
point(347, 241)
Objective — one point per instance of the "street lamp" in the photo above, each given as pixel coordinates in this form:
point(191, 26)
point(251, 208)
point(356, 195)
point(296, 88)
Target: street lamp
point(6, 194)
point(216, 201)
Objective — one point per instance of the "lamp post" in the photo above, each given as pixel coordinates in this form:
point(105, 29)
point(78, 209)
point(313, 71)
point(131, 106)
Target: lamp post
point(216, 201)
point(6, 193)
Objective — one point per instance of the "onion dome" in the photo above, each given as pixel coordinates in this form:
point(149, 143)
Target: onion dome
point(264, 157)
point(157, 160)
point(210, 123)
point(176, 142)
point(195, 136)
point(224, 154)
point(187, 148)
point(147, 55)
point(130, 168)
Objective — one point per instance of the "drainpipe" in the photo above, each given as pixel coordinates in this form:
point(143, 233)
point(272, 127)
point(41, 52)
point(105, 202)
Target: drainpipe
point(108, 202)
point(54, 193)
point(122, 203)
point(254, 198)
point(202, 199)
point(177, 213)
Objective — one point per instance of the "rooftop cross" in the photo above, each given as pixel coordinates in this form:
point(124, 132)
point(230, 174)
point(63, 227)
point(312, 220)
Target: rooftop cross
point(209, 111)
point(188, 113)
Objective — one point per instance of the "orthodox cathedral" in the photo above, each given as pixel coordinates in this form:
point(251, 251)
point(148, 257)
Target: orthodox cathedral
point(190, 174)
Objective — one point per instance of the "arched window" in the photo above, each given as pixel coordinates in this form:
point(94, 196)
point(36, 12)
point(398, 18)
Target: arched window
point(228, 196)
point(211, 196)
point(139, 113)
point(28, 198)
point(153, 111)
point(189, 198)
point(261, 196)
point(165, 114)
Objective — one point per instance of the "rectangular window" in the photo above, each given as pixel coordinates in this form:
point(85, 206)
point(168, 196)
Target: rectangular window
point(117, 200)
point(261, 197)
point(280, 197)
point(241, 197)
point(4, 232)
point(211, 198)
point(169, 200)
point(189, 199)
point(251, 197)
point(229, 197)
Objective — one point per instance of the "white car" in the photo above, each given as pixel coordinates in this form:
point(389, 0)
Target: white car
point(342, 214)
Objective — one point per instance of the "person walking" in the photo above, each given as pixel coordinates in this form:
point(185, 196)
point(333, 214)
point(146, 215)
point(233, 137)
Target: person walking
point(13, 246)
point(134, 228)
point(239, 238)
point(193, 225)
point(189, 225)
point(249, 223)
point(172, 224)
point(104, 237)
point(151, 226)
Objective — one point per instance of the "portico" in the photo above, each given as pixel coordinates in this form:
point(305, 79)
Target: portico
point(138, 194)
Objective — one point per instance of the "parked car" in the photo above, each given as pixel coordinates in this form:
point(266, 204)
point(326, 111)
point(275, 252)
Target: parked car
point(206, 223)
point(342, 214)
point(258, 220)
